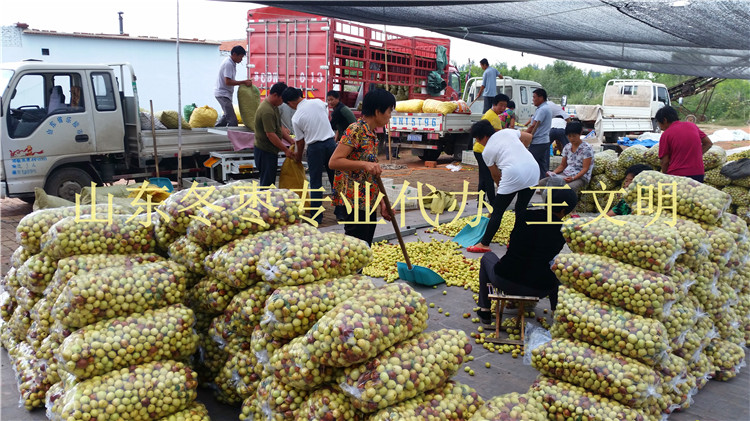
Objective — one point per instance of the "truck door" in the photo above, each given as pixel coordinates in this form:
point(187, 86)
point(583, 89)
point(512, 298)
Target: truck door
point(661, 99)
point(47, 120)
point(295, 52)
point(106, 114)
point(524, 107)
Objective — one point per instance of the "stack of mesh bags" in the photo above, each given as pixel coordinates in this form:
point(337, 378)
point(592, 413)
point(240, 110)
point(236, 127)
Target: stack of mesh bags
point(345, 350)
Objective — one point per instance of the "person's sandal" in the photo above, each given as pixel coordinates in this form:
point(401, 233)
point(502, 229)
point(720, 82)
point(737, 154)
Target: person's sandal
point(477, 249)
point(485, 316)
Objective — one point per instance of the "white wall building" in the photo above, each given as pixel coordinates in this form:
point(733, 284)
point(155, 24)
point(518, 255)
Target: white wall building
point(154, 61)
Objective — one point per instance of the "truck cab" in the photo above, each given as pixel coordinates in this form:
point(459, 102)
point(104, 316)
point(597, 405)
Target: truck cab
point(633, 97)
point(628, 106)
point(49, 129)
point(518, 90)
point(65, 126)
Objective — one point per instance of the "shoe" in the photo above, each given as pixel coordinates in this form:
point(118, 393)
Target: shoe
point(484, 316)
point(477, 249)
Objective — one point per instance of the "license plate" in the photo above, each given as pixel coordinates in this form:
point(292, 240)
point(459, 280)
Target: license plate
point(414, 137)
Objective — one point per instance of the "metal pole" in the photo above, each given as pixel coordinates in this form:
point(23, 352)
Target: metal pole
point(328, 61)
point(296, 49)
point(307, 55)
point(153, 135)
point(388, 125)
point(286, 50)
point(179, 106)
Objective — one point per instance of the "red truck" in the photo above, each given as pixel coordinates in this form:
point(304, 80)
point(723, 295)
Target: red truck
point(318, 54)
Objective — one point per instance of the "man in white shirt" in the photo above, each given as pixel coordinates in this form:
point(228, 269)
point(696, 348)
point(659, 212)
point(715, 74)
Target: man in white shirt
point(513, 169)
point(312, 130)
point(225, 84)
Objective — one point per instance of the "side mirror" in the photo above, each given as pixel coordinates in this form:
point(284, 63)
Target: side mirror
point(564, 101)
point(680, 101)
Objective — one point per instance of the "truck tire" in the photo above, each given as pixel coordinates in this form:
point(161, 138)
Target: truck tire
point(66, 182)
point(431, 154)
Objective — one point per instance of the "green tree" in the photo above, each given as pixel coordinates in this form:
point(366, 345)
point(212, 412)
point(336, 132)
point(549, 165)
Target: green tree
point(730, 100)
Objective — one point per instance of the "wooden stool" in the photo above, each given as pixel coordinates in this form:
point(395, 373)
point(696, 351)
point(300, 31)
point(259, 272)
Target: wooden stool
point(502, 300)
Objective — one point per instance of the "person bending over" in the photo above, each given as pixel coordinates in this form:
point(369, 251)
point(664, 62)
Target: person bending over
point(486, 184)
point(525, 267)
point(513, 169)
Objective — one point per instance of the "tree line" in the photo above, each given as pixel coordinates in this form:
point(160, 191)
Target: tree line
point(730, 100)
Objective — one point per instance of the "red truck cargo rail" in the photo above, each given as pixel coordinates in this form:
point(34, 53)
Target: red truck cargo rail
point(318, 54)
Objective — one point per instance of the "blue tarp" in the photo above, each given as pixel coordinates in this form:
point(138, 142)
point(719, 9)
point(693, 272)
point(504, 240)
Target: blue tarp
point(632, 142)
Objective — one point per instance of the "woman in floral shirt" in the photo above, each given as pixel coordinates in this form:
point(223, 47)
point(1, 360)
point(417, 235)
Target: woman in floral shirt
point(577, 159)
point(356, 161)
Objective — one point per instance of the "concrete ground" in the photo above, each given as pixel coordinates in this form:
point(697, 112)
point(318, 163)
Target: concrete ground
point(719, 401)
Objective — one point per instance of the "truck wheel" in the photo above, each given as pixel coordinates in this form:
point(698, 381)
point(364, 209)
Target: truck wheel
point(431, 154)
point(66, 182)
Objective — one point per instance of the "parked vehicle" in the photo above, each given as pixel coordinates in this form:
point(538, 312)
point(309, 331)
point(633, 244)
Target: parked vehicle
point(318, 54)
point(66, 125)
point(429, 134)
point(629, 106)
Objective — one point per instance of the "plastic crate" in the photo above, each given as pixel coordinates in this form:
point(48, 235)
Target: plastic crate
point(201, 182)
point(393, 190)
point(468, 158)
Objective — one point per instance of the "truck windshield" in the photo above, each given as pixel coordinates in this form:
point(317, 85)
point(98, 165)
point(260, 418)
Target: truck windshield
point(5, 76)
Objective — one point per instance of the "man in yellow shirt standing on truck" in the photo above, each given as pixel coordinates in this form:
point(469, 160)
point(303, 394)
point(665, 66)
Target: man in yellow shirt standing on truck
point(499, 120)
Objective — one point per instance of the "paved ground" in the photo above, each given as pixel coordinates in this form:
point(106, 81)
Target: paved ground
point(720, 401)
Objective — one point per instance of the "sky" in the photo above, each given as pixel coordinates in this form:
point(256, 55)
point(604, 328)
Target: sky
point(203, 19)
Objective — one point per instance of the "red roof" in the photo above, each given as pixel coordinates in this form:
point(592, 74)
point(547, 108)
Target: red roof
point(227, 45)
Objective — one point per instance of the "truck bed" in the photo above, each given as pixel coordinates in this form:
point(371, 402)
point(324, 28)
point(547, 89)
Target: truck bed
point(432, 122)
point(611, 111)
point(195, 141)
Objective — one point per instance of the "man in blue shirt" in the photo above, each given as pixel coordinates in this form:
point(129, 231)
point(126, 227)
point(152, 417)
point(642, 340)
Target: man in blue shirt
point(488, 90)
point(540, 127)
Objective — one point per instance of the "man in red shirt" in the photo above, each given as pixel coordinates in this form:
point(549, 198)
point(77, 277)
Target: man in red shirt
point(681, 146)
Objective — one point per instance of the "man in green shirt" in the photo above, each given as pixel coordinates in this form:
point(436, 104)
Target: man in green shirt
point(341, 116)
point(268, 136)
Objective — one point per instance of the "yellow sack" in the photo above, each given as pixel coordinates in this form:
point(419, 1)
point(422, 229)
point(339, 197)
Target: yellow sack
point(204, 116)
point(409, 106)
point(292, 175)
point(103, 192)
point(169, 119)
point(158, 194)
point(47, 201)
point(248, 98)
point(440, 107)
point(237, 113)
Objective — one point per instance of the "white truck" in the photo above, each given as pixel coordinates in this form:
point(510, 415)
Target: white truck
point(430, 134)
point(66, 125)
point(629, 106)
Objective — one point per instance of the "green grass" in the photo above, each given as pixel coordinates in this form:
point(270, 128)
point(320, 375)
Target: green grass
point(728, 122)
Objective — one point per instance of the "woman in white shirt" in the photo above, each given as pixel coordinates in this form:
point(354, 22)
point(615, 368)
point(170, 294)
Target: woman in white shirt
point(577, 160)
point(513, 169)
